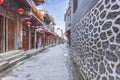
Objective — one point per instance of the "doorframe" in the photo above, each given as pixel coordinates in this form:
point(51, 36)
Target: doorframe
point(7, 19)
point(4, 34)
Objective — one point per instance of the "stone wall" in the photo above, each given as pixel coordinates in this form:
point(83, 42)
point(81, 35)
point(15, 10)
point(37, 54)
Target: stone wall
point(95, 42)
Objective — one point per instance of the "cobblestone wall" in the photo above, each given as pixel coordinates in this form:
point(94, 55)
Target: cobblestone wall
point(95, 42)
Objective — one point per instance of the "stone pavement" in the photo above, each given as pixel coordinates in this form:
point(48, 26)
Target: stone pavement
point(10, 58)
point(50, 65)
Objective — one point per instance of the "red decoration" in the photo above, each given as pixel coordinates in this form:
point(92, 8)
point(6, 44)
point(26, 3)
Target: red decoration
point(28, 24)
point(36, 27)
point(20, 11)
point(1, 1)
point(42, 31)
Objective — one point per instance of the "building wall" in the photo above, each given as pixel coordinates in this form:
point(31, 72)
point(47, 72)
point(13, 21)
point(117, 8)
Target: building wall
point(84, 6)
point(9, 29)
point(59, 32)
point(95, 40)
point(68, 20)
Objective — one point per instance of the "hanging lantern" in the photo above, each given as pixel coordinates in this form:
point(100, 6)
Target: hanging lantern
point(42, 31)
point(28, 24)
point(20, 11)
point(1, 1)
point(36, 27)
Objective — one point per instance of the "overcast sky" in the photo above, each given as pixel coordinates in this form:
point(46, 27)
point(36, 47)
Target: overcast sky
point(56, 8)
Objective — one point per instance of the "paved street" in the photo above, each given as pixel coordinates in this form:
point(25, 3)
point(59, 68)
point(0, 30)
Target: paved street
point(49, 65)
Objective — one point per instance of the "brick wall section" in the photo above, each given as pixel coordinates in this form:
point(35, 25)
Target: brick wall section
point(95, 42)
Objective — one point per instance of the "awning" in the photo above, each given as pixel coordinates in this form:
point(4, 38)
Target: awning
point(38, 31)
point(35, 19)
point(50, 33)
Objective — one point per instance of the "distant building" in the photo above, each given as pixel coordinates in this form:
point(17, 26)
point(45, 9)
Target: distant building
point(60, 35)
point(50, 36)
point(59, 32)
point(49, 21)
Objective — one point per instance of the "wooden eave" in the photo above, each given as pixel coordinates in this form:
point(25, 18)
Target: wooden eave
point(38, 2)
point(23, 3)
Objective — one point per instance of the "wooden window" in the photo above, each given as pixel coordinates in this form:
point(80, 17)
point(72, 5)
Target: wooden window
point(75, 5)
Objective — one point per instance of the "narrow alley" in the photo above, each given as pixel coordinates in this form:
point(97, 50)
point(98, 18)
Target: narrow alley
point(48, 65)
point(59, 39)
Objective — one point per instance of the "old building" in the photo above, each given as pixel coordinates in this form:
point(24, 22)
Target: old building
point(8, 20)
point(60, 38)
point(24, 31)
point(67, 19)
point(94, 39)
point(50, 36)
point(14, 29)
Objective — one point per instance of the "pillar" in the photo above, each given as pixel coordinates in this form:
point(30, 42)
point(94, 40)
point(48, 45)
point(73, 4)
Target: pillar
point(35, 39)
point(29, 41)
point(6, 41)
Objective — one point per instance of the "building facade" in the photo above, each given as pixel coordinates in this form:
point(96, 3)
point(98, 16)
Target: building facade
point(48, 36)
point(60, 34)
point(14, 33)
point(94, 36)
point(8, 26)
point(67, 19)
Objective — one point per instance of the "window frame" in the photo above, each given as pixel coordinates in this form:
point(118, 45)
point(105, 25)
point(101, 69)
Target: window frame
point(75, 5)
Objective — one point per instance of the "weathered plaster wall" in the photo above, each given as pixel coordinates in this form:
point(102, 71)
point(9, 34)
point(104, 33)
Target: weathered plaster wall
point(95, 42)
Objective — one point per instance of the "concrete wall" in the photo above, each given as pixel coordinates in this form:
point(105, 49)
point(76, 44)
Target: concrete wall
point(95, 39)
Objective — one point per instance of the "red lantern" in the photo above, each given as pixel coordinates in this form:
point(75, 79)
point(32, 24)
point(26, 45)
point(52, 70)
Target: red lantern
point(28, 24)
point(36, 27)
point(20, 11)
point(1, 1)
point(42, 31)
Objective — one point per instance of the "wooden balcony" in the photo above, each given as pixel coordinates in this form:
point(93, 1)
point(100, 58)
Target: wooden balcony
point(37, 13)
point(49, 19)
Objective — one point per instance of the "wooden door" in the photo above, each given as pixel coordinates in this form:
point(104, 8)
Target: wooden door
point(1, 34)
point(11, 35)
point(32, 40)
point(25, 40)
